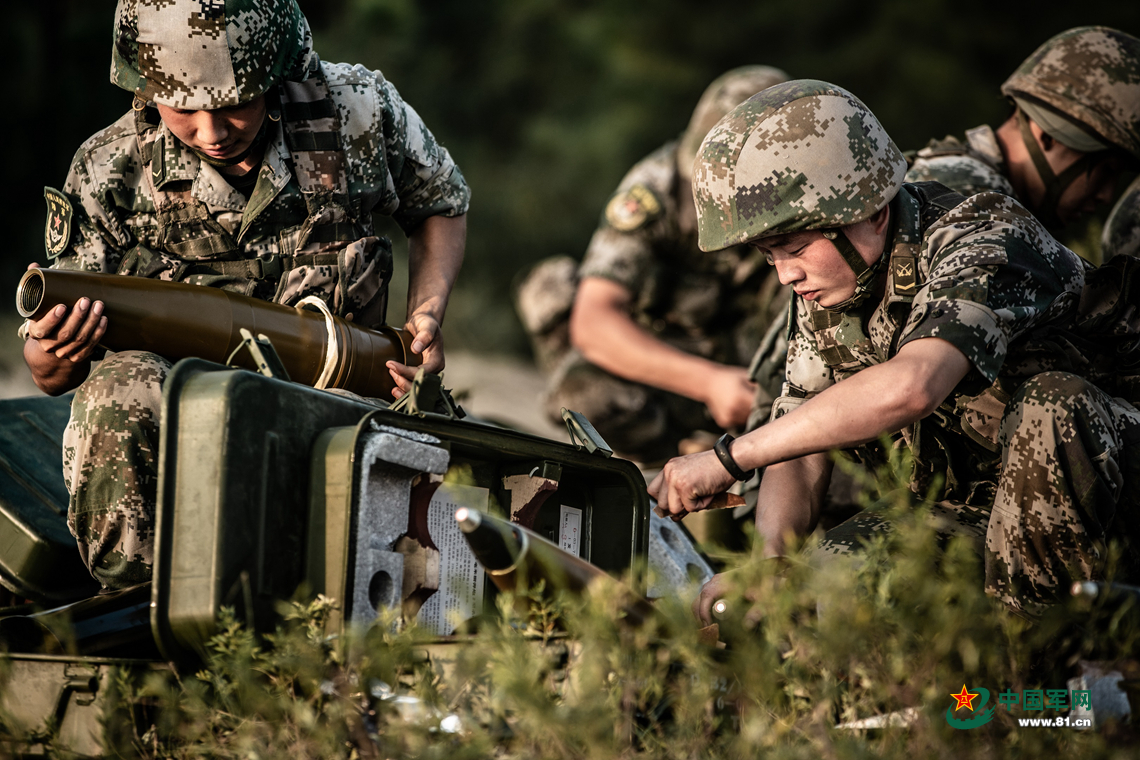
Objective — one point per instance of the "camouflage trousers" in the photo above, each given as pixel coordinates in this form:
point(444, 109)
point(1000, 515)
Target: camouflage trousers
point(110, 466)
point(637, 421)
point(1069, 484)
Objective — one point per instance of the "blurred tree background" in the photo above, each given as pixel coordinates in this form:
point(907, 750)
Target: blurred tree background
point(546, 103)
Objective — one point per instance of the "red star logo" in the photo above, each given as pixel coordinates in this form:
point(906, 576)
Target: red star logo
point(965, 699)
point(55, 222)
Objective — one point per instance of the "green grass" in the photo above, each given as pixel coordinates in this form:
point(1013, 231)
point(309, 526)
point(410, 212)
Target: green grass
point(902, 627)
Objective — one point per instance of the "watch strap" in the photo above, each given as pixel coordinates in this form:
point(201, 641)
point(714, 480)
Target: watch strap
point(725, 457)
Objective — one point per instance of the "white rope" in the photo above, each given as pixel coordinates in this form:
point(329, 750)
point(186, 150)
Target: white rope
point(332, 348)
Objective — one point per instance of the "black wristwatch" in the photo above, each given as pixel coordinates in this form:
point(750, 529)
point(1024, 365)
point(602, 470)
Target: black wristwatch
point(725, 457)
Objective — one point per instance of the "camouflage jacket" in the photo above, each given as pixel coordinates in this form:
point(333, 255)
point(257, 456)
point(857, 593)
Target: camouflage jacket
point(971, 166)
point(984, 276)
point(714, 305)
point(139, 202)
point(1122, 230)
point(976, 165)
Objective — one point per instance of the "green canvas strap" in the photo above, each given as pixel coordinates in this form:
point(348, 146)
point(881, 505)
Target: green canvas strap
point(268, 268)
point(311, 126)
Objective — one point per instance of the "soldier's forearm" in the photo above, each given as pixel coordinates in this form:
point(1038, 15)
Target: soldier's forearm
point(601, 328)
point(880, 399)
point(435, 255)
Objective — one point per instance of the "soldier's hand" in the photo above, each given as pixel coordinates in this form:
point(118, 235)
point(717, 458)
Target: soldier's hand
point(729, 396)
point(723, 585)
point(59, 345)
point(688, 484)
point(70, 334)
point(427, 340)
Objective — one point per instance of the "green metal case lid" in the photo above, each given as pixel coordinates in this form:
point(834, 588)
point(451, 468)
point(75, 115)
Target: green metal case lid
point(38, 556)
point(233, 485)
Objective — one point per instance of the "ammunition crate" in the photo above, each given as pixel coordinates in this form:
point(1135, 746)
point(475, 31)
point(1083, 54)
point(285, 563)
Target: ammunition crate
point(267, 488)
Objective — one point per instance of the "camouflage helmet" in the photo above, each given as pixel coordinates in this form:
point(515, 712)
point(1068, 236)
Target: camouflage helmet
point(208, 54)
point(803, 155)
point(1091, 75)
point(725, 93)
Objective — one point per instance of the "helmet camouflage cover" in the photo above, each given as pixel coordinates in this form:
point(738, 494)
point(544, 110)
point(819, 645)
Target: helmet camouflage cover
point(725, 93)
point(1090, 74)
point(208, 54)
point(802, 155)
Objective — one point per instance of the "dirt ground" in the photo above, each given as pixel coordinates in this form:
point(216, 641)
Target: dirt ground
point(15, 380)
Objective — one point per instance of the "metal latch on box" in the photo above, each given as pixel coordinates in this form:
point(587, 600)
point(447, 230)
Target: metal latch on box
point(264, 355)
point(428, 396)
point(583, 434)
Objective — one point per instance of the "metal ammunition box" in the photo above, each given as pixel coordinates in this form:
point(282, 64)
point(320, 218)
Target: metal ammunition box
point(372, 492)
point(233, 496)
point(269, 489)
point(264, 485)
point(55, 706)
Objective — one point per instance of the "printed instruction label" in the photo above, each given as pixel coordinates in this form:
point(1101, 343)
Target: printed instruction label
point(569, 529)
point(461, 577)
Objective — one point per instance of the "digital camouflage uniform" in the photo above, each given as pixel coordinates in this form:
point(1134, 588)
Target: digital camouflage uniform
point(711, 305)
point(970, 166)
point(715, 306)
point(1034, 456)
point(976, 165)
point(1122, 229)
point(139, 202)
point(1085, 79)
point(1020, 421)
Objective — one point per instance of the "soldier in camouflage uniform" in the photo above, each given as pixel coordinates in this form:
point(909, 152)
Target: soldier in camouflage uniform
point(649, 337)
point(245, 163)
point(1075, 125)
point(950, 322)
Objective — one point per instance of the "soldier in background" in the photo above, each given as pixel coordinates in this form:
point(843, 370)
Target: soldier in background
point(649, 337)
point(246, 163)
point(1073, 130)
point(952, 323)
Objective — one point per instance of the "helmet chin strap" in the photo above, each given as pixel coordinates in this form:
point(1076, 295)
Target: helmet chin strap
point(1055, 185)
point(865, 275)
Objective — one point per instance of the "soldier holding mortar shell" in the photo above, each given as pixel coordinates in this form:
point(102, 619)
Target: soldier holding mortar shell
point(245, 163)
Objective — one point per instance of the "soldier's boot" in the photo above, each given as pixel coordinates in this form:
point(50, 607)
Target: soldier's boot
point(1070, 471)
point(110, 466)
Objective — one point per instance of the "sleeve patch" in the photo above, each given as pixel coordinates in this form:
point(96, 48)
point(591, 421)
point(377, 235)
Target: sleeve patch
point(633, 208)
point(57, 231)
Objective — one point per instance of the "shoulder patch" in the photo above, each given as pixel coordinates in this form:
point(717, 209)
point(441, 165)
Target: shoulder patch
point(904, 275)
point(633, 208)
point(57, 231)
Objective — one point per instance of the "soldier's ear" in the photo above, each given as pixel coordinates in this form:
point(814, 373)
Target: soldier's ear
point(880, 219)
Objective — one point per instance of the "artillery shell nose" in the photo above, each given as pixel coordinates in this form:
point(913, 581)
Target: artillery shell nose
point(468, 519)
